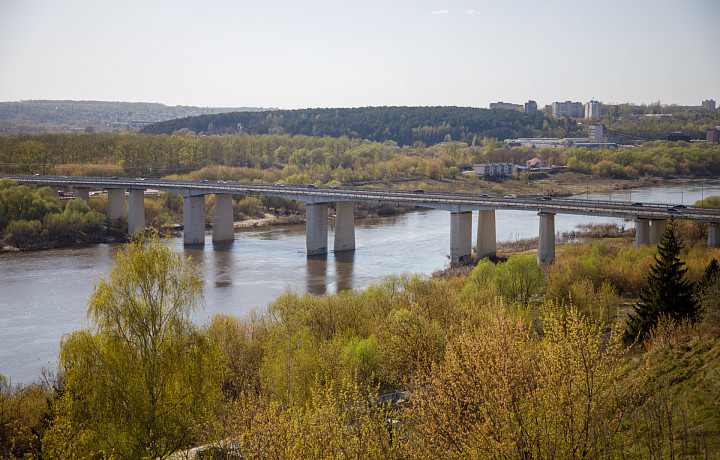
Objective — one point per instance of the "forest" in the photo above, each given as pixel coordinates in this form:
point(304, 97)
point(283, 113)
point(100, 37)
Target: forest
point(431, 125)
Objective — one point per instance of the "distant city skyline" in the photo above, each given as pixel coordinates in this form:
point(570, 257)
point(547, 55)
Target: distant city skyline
point(290, 54)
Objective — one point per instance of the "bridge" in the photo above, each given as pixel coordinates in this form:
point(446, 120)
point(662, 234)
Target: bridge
point(650, 218)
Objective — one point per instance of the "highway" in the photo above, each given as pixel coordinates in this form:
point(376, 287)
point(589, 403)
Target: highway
point(452, 201)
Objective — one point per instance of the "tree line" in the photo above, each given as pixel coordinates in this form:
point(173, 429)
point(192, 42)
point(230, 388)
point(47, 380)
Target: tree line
point(272, 157)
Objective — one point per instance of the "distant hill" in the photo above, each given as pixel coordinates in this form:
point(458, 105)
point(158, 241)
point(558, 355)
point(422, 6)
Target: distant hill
point(51, 115)
point(404, 125)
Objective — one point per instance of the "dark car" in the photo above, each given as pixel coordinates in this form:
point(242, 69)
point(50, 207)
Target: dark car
point(681, 206)
point(485, 195)
point(636, 204)
point(204, 181)
point(312, 186)
point(674, 211)
point(418, 190)
point(114, 178)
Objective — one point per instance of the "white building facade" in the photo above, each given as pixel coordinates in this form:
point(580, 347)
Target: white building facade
point(493, 169)
point(592, 109)
point(567, 109)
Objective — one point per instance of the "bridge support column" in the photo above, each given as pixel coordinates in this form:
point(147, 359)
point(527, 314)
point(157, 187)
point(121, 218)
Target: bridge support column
point(116, 204)
point(84, 193)
point(194, 219)
point(657, 227)
point(136, 211)
point(642, 232)
point(316, 225)
point(486, 239)
point(460, 237)
point(223, 229)
point(546, 238)
point(713, 235)
point(344, 226)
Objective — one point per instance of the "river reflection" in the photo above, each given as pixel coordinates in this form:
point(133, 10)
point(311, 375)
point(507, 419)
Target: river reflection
point(43, 295)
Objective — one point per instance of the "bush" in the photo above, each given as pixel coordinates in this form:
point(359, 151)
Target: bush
point(23, 234)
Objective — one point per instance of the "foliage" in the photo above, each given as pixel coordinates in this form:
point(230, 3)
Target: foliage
point(502, 392)
point(668, 293)
point(77, 218)
point(143, 381)
point(24, 202)
point(341, 420)
point(517, 279)
point(22, 418)
point(31, 217)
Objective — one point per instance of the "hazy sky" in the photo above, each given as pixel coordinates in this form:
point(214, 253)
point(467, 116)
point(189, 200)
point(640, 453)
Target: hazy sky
point(347, 53)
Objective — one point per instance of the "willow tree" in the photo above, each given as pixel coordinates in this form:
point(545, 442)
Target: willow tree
point(142, 381)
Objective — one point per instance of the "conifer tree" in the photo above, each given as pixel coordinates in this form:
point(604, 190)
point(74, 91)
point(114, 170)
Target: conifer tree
point(668, 293)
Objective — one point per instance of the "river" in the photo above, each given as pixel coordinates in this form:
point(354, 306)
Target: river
point(43, 295)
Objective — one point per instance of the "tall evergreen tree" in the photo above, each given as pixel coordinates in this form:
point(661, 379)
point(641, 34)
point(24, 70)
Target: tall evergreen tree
point(668, 293)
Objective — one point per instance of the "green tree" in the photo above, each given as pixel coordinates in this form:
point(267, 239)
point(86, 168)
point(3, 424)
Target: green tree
point(668, 293)
point(519, 278)
point(143, 380)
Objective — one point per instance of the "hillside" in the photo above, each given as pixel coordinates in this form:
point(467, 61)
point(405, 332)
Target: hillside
point(54, 115)
point(404, 125)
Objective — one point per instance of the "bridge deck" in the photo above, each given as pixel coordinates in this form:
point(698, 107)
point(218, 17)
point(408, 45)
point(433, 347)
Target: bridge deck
point(451, 201)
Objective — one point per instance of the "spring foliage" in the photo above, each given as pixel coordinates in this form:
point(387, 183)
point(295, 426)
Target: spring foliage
point(142, 380)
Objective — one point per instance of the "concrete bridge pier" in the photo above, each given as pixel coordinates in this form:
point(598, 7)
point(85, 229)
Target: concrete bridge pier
point(657, 227)
point(316, 226)
point(344, 226)
point(486, 240)
point(136, 211)
point(223, 229)
point(546, 238)
point(642, 232)
point(713, 235)
point(84, 193)
point(460, 237)
point(116, 208)
point(194, 219)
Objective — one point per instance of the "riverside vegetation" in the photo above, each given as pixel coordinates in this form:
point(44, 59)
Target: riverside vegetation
point(512, 360)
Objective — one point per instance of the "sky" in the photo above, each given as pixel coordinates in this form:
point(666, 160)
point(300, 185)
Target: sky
point(352, 53)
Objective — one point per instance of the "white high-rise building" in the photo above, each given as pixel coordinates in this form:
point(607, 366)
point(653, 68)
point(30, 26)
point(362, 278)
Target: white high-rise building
point(592, 109)
point(567, 109)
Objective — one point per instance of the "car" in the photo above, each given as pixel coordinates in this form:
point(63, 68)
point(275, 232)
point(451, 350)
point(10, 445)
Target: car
point(674, 211)
point(334, 186)
point(141, 178)
point(545, 198)
point(37, 175)
point(510, 196)
point(221, 182)
point(204, 181)
point(636, 204)
point(485, 195)
point(418, 190)
point(279, 184)
point(312, 186)
point(63, 177)
point(681, 206)
point(114, 178)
